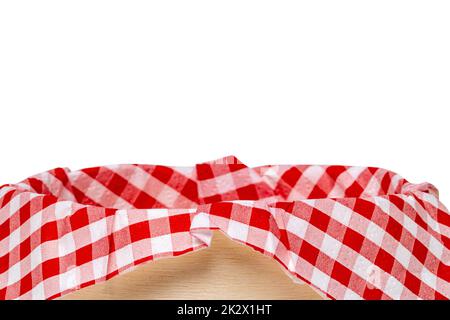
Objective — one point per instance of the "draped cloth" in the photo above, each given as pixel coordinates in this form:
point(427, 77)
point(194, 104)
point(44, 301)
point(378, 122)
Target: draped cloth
point(348, 232)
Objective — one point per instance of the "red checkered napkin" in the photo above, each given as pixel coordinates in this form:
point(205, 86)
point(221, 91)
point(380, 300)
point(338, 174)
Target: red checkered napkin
point(349, 232)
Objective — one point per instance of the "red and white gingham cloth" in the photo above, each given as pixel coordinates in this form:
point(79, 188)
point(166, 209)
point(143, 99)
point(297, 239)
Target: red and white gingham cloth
point(349, 232)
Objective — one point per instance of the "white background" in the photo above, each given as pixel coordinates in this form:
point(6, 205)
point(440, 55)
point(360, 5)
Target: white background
point(85, 83)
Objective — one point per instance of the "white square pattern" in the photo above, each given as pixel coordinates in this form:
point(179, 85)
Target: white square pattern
point(238, 230)
point(124, 256)
point(161, 244)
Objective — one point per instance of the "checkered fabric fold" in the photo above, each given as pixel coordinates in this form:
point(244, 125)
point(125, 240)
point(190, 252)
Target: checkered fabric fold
point(349, 232)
